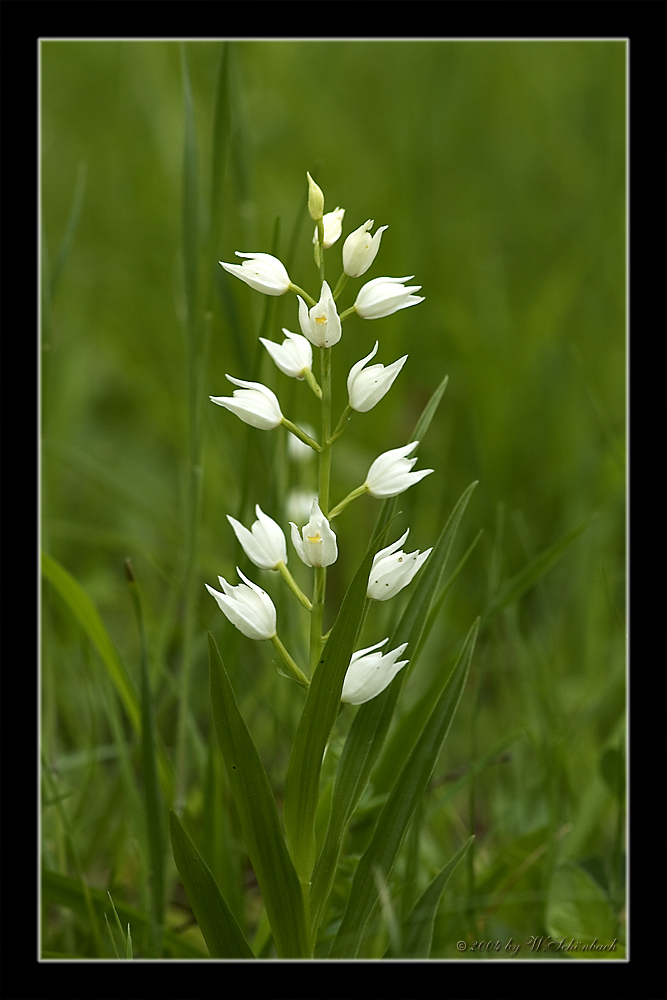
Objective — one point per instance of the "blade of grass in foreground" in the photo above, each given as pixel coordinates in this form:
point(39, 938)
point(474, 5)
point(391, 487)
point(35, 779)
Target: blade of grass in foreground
point(392, 825)
point(85, 612)
point(258, 816)
point(153, 807)
point(224, 938)
point(72, 894)
point(418, 928)
point(526, 578)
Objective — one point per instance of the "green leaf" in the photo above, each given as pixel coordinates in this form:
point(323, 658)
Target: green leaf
point(224, 938)
point(319, 714)
point(88, 617)
point(258, 817)
point(85, 612)
point(579, 910)
point(63, 890)
point(369, 729)
point(392, 825)
point(428, 412)
point(418, 928)
point(153, 806)
point(526, 578)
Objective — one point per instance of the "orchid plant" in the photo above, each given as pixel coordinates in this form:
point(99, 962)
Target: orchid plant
point(297, 870)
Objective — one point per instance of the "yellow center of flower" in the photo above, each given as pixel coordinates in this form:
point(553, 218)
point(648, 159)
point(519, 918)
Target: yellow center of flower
point(314, 538)
point(320, 319)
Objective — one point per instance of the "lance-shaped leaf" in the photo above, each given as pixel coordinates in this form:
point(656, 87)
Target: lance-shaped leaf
point(224, 938)
point(85, 612)
point(392, 825)
point(258, 816)
point(369, 728)
point(319, 714)
point(418, 927)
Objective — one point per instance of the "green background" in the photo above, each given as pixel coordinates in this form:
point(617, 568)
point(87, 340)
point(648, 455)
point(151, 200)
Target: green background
point(499, 168)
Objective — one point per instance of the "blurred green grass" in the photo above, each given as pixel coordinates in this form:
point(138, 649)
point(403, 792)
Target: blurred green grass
point(500, 170)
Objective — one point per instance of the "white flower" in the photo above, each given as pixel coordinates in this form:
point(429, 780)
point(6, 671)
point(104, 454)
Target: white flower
point(390, 473)
point(360, 249)
point(367, 387)
point(392, 571)
point(369, 673)
point(316, 545)
point(321, 324)
point(254, 403)
point(333, 227)
point(384, 296)
point(293, 356)
point(265, 543)
point(262, 272)
point(247, 606)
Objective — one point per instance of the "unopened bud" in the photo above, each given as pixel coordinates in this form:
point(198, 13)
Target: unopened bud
point(315, 199)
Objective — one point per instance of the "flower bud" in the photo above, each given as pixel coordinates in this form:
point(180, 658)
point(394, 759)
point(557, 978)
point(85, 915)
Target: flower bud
point(315, 199)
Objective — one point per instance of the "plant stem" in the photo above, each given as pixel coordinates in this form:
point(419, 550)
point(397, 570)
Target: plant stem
point(342, 424)
point(297, 432)
point(304, 295)
point(292, 667)
point(294, 586)
point(360, 490)
point(316, 615)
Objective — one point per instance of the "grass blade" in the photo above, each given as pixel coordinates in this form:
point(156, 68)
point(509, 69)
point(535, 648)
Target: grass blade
point(71, 893)
point(85, 612)
point(224, 938)
point(393, 822)
point(88, 617)
point(152, 798)
point(258, 816)
point(526, 578)
point(418, 928)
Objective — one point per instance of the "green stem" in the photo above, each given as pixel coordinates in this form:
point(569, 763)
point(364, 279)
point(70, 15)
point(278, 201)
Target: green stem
point(293, 585)
point(297, 432)
point(348, 312)
point(316, 615)
point(342, 424)
point(360, 490)
point(312, 382)
point(342, 281)
point(304, 295)
point(325, 453)
point(293, 670)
